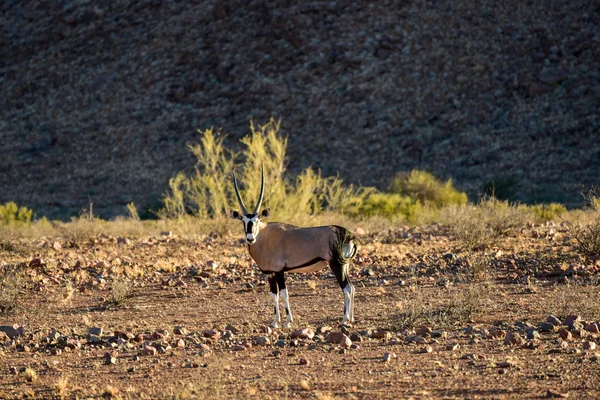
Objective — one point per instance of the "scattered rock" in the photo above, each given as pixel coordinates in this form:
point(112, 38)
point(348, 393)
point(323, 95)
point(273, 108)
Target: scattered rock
point(339, 338)
point(95, 331)
point(303, 361)
point(564, 334)
point(589, 345)
point(593, 328)
point(553, 320)
point(513, 338)
point(212, 334)
point(388, 357)
point(304, 333)
point(569, 320)
point(10, 331)
point(149, 351)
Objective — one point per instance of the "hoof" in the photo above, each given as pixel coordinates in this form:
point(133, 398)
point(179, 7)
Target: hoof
point(274, 325)
point(287, 324)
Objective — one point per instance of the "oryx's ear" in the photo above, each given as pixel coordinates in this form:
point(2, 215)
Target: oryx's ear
point(265, 213)
point(236, 214)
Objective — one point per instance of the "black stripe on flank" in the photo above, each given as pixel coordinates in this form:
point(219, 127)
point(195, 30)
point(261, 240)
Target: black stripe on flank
point(307, 264)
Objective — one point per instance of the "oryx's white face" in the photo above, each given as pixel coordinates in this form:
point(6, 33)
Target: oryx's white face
point(251, 224)
point(251, 220)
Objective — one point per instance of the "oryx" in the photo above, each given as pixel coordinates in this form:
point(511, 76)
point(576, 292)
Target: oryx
point(278, 248)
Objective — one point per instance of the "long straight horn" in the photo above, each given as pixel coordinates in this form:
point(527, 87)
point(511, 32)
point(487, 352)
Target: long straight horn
point(262, 191)
point(237, 192)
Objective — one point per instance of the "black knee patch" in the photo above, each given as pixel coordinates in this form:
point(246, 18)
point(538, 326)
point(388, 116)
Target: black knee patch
point(280, 277)
point(273, 284)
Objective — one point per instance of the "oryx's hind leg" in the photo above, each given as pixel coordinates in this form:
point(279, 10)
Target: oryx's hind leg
point(284, 294)
point(343, 279)
point(274, 295)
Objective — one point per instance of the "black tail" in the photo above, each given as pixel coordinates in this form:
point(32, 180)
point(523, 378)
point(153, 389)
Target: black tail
point(341, 238)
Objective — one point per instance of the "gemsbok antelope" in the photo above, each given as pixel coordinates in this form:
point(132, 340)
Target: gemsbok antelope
point(278, 248)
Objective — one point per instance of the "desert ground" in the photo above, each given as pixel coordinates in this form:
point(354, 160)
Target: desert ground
point(166, 316)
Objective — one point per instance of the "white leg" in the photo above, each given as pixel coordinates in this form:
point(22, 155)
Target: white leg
point(348, 291)
point(275, 323)
point(286, 300)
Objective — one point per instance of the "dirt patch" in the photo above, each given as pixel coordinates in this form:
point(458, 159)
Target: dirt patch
point(191, 322)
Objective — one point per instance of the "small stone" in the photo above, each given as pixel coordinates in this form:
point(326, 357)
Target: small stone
point(388, 357)
point(10, 331)
point(110, 360)
point(304, 333)
point(212, 334)
point(355, 337)
point(570, 319)
point(180, 330)
point(324, 329)
point(381, 334)
point(149, 351)
point(427, 349)
point(453, 346)
point(513, 338)
point(339, 338)
point(180, 344)
point(261, 341)
point(56, 246)
point(589, 345)
point(593, 328)
point(266, 329)
point(533, 334)
point(95, 331)
point(131, 369)
point(565, 334)
point(548, 327)
point(416, 339)
point(303, 361)
point(280, 343)
point(554, 320)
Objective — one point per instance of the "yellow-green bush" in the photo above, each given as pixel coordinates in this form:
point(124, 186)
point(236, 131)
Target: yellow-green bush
point(423, 186)
point(208, 192)
point(389, 205)
point(11, 213)
point(548, 212)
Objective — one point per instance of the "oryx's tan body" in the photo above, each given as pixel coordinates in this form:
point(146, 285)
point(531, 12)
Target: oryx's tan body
point(283, 247)
point(278, 248)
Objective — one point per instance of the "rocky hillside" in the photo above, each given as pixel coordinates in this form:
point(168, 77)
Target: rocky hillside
point(98, 99)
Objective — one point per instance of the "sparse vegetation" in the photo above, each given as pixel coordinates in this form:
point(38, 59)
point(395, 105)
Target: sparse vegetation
point(585, 229)
point(457, 307)
point(479, 226)
point(31, 375)
point(12, 282)
point(83, 228)
point(120, 291)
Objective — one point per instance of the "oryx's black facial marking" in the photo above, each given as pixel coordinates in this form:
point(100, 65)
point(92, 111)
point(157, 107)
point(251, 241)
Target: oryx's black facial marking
point(250, 227)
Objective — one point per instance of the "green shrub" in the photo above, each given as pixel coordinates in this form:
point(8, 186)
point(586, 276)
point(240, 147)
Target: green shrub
point(11, 213)
point(423, 186)
point(389, 205)
point(548, 212)
point(208, 192)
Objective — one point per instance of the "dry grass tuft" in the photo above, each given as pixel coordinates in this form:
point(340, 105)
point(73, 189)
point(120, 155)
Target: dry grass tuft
point(120, 291)
point(61, 386)
point(111, 392)
point(452, 307)
point(304, 384)
point(30, 375)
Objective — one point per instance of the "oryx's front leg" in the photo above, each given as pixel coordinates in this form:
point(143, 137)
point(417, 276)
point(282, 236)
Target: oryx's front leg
point(275, 297)
point(284, 294)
